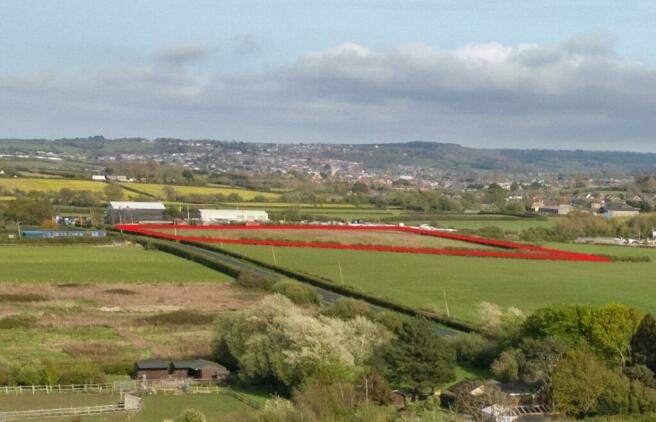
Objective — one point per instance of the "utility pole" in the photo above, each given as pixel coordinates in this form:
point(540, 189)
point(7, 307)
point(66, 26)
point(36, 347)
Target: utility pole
point(273, 252)
point(188, 221)
point(18, 228)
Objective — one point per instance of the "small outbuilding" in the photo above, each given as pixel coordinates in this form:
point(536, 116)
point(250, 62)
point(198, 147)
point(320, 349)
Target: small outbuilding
point(161, 369)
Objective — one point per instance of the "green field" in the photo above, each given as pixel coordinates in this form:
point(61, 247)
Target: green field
point(155, 408)
point(156, 189)
point(27, 401)
point(50, 185)
point(214, 406)
point(98, 264)
point(421, 280)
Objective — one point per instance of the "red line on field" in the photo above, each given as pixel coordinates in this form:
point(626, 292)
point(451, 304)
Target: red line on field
point(532, 252)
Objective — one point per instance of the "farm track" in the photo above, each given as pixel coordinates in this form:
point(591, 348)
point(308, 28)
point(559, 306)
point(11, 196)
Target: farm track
point(326, 296)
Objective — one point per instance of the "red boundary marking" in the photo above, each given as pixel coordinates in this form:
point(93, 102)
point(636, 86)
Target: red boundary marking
point(532, 252)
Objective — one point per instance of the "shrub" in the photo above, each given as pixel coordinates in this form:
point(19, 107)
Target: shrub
point(391, 320)
point(191, 415)
point(181, 317)
point(299, 293)
point(347, 308)
point(27, 375)
point(474, 349)
point(254, 280)
point(118, 368)
point(83, 374)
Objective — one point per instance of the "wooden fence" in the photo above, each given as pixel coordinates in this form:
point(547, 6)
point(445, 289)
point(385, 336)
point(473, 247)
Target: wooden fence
point(29, 415)
point(115, 387)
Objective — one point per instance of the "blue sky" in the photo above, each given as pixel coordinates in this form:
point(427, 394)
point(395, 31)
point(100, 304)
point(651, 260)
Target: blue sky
point(299, 70)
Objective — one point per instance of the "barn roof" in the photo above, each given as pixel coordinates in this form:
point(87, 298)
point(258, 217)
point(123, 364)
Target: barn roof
point(153, 364)
point(196, 364)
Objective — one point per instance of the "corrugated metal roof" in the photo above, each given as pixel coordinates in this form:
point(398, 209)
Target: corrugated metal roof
point(121, 205)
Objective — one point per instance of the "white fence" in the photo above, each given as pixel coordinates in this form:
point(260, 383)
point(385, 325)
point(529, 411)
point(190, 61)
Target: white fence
point(115, 387)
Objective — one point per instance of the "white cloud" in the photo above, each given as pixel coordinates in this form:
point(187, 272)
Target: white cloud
point(183, 52)
point(578, 94)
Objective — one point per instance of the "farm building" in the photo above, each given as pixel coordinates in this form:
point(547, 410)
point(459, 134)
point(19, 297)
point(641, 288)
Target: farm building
point(562, 209)
point(158, 369)
point(620, 211)
point(136, 212)
point(233, 216)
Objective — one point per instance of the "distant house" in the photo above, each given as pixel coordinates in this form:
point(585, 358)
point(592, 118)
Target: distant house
point(127, 212)
point(210, 216)
point(620, 211)
point(159, 369)
point(99, 178)
point(563, 209)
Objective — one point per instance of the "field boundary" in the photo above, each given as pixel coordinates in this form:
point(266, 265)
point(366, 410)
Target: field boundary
point(527, 251)
point(182, 249)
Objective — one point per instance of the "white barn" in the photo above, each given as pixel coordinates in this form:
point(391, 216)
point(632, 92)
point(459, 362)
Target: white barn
point(208, 216)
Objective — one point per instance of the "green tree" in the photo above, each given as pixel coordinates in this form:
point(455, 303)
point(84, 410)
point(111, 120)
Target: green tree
point(417, 357)
point(29, 211)
point(578, 382)
point(643, 343)
point(113, 192)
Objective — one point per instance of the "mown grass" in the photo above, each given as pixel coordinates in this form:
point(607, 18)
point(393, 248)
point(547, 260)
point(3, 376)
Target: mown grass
point(423, 280)
point(87, 264)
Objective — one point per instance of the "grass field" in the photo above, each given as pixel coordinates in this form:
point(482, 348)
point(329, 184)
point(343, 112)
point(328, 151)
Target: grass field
point(26, 401)
point(382, 238)
point(50, 185)
point(156, 189)
point(422, 280)
point(213, 406)
point(98, 264)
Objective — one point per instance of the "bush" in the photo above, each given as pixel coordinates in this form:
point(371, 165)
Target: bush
point(191, 415)
point(181, 317)
point(27, 375)
point(347, 308)
point(474, 349)
point(299, 293)
point(252, 280)
point(118, 368)
point(390, 320)
point(83, 374)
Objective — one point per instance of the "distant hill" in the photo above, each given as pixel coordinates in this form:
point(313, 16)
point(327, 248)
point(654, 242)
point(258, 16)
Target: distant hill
point(457, 157)
point(445, 156)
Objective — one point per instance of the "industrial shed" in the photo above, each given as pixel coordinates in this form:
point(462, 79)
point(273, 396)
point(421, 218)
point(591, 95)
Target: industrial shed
point(128, 212)
point(160, 369)
point(213, 216)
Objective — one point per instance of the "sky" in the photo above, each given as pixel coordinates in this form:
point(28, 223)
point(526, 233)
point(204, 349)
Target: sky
point(514, 74)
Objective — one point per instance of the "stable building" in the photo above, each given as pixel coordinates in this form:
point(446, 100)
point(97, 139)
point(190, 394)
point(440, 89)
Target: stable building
point(160, 369)
point(213, 216)
point(128, 212)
